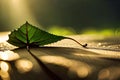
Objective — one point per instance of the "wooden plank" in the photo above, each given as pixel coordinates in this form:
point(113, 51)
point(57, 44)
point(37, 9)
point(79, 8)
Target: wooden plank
point(69, 60)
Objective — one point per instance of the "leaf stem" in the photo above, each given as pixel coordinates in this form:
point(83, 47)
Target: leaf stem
point(83, 45)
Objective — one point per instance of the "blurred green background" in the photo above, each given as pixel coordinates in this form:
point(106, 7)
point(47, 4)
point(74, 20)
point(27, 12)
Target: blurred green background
point(65, 17)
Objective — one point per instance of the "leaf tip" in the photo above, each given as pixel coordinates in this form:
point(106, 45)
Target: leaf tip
point(26, 22)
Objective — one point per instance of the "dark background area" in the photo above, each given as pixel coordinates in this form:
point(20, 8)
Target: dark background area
point(77, 14)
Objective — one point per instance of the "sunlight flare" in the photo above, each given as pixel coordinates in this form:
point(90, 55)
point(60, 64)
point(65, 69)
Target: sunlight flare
point(20, 12)
point(4, 66)
point(110, 73)
point(3, 36)
point(4, 70)
point(24, 65)
point(80, 68)
point(8, 55)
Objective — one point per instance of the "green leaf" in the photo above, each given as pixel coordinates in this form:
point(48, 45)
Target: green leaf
point(28, 36)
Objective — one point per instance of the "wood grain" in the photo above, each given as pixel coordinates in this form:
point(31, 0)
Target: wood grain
point(99, 61)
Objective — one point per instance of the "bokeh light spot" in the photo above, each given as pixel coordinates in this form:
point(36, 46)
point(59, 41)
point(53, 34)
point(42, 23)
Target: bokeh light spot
point(8, 55)
point(24, 65)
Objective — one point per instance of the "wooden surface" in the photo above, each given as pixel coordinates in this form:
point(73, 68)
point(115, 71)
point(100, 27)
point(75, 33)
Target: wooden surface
point(66, 59)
